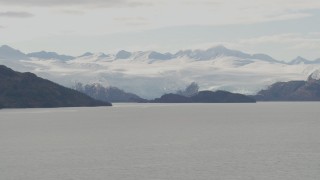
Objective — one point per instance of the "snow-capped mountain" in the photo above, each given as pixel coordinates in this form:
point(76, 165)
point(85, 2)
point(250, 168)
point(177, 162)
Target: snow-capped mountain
point(150, 74)
point(211, 53)
point(315, 75)
point(86, 54)
point(221, 51)
point(49, 55)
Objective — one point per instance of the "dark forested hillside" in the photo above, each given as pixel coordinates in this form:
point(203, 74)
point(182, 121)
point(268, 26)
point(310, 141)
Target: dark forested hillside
point(26, 90)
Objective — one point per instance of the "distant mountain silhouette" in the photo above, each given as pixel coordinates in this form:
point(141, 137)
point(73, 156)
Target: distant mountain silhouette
point(293, 90)
point(86, 54)
point(301, 60)
point(123, 54)
point(50, 55)
point(219, 51)
point(205, 97)
point(7, 52)
point(109, 94)
point(26, 90)
point(160, 56)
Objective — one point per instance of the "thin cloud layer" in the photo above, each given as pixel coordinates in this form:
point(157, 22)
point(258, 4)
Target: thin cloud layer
point(72, 12)
point(133, 21)
point(64, 3)
point(291, 40)
point(13, 14)
point(162, 23)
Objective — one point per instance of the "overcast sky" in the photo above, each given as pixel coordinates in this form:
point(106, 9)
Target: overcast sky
point(283, 29)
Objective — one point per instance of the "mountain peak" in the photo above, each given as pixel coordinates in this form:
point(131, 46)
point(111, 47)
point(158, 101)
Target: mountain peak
point(212, 53)
point(102, 55)
point(314, 76)
point(123, 54)
point(49, 55)
point(86, 54)
point(159, 56)
point(5, 47)
point(299, 60)
point(7, 52)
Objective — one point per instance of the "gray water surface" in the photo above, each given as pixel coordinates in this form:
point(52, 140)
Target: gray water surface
point(263, 141)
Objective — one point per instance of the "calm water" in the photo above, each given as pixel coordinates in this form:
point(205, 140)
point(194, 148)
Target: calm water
point(264, 141)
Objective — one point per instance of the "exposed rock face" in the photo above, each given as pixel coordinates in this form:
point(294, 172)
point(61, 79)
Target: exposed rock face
point(314, 76)
point(190, 90)
point(26, 90)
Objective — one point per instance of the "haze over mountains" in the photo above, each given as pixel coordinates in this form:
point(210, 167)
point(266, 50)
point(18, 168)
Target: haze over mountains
point(151, 74)
point(107, 94)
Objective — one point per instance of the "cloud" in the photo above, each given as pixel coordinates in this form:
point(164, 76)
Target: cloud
point(287, 16)
point(86, 3)
point(15, 14)
point(72, 12)
point(279, 46)
point(132, 21)
point(296, 40)
point(2, 27)
point(292, 44)
point(172, 23)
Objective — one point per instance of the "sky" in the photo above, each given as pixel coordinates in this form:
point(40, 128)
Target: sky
point(283, 29)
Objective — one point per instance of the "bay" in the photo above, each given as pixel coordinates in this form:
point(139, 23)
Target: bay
point(162, 141)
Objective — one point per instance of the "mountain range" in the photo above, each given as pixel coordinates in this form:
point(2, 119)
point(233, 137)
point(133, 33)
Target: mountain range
point(150, 74)
point(7, 52)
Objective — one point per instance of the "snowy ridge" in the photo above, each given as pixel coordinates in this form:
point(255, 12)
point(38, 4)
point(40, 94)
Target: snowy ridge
point(151, 74)
point(49, 55)
point(315, 75)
